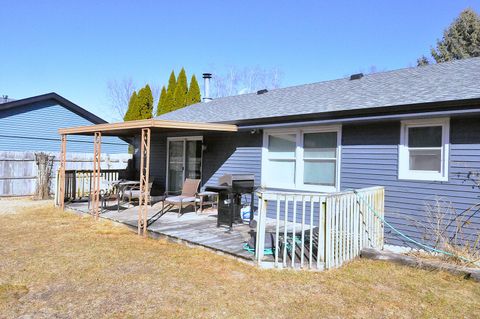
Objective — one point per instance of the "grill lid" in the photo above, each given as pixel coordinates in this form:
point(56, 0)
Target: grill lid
point(229, 179)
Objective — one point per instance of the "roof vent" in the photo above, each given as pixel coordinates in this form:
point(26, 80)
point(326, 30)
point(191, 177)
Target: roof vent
point(262, 91)
point(356, 76)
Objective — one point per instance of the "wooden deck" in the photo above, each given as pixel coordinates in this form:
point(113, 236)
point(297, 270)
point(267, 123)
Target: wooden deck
point(346, 223)
point(197, 229)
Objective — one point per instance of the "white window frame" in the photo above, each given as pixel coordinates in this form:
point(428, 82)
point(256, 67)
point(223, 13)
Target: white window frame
point(299, 162)
point(404, 171)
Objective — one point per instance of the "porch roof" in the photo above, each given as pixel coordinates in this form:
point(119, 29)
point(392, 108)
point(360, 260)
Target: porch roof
point(131, 128)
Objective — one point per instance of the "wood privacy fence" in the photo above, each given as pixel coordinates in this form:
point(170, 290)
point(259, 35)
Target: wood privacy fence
point(317, 231)
point(18, 170)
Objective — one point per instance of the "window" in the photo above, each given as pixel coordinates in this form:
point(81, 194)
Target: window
point(423, 151)
point(303, 159)
point(320, 158)
point(281, 156)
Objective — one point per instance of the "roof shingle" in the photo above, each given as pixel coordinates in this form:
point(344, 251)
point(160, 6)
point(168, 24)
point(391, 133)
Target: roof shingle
point(448, 81)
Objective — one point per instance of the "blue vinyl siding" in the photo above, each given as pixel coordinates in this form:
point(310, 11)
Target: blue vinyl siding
point(158, 158)
point(237, 153)
point(228, 153)
point(370, 158)
point(35, 128)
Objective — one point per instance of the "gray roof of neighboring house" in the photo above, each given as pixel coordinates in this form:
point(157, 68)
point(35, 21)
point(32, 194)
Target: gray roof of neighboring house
point(457, 80)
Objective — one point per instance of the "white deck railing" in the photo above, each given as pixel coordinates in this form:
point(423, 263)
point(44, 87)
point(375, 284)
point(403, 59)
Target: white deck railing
point(317, 231)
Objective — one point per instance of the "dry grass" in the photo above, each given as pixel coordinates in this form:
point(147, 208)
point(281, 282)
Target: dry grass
point(63, 265)
point(446, 229)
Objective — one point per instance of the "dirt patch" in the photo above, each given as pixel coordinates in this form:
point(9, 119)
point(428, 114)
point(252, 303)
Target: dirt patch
point(16, 205)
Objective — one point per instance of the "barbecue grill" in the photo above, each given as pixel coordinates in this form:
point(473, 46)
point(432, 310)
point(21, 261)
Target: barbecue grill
point(230, 190)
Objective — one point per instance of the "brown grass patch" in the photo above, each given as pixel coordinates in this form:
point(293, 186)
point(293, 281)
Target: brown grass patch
point(55, 263)
point(10, 293)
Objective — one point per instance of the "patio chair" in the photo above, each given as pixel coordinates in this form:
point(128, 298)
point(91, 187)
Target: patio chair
point(132, 193)
point(105, 192)
point(187, 197)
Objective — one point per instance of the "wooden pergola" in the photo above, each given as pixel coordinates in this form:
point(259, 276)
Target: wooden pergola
point(143, 128)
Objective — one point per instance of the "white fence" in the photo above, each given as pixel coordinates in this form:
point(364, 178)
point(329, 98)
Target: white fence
point(317, 231)
point(18, 170)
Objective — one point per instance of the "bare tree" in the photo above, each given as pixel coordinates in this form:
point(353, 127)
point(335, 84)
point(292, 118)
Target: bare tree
point(244, 80)
point(119, 93)
point(156, 89)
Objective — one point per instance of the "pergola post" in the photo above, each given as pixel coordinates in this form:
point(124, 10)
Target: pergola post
point(61, 176)
point(144, 180)
point(97, 149)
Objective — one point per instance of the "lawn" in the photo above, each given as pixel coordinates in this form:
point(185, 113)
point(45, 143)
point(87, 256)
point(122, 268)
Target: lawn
point(55, 263)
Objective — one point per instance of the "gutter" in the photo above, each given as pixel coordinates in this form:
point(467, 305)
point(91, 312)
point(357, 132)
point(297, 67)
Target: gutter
point(390, 117)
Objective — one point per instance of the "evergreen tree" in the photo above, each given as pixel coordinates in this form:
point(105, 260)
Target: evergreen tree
point(169, 102)
point(161, 102)
point(423, 61)
point(144, 102)
point(460, 40)
point(170, 97)
point(193, 95)
point(181, 90)
point(132, 108)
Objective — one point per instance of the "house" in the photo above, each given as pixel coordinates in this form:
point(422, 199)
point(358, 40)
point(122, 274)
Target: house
point(415, 131)
point(30, 125)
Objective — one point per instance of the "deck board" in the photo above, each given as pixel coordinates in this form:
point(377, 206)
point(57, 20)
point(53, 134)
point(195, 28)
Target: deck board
point(200, 229)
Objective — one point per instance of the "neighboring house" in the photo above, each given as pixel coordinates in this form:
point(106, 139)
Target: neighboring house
point(415, 131)
point(31, 125)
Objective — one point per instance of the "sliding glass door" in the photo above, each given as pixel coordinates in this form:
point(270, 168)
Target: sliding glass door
point(175, 165)
point(184, 160)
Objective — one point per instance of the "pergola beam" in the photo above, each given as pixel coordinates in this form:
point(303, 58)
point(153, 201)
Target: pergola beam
point(97, 150)
point(117, 128)
point(144, 181)
point(61, 176)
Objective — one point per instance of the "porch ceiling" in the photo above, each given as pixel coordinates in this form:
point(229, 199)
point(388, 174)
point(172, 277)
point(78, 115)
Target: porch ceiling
point(132, 128)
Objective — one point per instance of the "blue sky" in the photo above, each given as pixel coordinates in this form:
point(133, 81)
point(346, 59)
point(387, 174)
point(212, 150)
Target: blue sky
point(75, 48)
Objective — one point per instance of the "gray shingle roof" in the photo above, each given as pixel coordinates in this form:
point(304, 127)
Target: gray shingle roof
point(434, 83)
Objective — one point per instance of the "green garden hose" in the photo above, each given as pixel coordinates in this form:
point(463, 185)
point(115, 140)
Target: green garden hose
point(430, 248)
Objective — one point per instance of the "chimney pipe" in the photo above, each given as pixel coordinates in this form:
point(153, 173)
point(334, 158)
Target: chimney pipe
point(206, 86)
